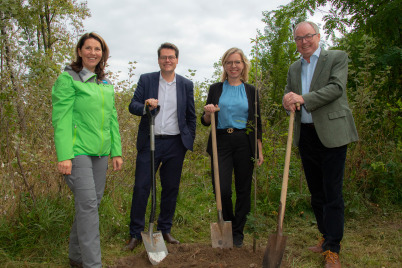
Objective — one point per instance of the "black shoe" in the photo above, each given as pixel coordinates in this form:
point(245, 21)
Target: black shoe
point(132, 244)
point(75, 264)
point(237, 241)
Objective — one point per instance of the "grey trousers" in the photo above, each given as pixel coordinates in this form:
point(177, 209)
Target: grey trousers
point(87, 182)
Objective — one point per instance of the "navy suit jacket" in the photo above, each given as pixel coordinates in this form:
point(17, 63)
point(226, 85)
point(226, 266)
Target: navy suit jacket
point(147, 88)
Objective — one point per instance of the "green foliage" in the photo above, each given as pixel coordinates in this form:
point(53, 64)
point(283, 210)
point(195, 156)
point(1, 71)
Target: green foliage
point(374, 17)
point(36, 40)
point(386, 185)
point(378, 19)
point(377, 117)
point(273, 52)
point(373, 84)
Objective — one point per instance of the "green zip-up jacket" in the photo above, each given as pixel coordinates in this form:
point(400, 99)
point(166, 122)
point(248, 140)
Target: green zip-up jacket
point(84, 116)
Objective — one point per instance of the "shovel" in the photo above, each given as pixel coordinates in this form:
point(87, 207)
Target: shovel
point(277, 242)
point(153, 241)
point(221, 232)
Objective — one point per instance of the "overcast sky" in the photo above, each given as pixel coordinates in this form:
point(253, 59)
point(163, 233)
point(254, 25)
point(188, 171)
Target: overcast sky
point(202, 29)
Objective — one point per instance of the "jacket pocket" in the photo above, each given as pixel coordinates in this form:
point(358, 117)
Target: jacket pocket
point(337, 114)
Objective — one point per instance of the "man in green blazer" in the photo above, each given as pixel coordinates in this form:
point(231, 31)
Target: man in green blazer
point(323, 127)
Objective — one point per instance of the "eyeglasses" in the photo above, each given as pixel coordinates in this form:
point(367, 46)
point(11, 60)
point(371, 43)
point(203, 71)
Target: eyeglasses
point(164, 58)
point(307, 37)
point(236, 63)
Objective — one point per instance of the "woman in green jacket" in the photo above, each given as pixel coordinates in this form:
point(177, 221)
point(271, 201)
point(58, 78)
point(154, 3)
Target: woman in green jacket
point(86, 132)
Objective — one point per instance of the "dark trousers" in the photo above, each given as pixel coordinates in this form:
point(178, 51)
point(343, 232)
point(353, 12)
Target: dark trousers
point(234, 154)
point(169, 155)
point(324, 168)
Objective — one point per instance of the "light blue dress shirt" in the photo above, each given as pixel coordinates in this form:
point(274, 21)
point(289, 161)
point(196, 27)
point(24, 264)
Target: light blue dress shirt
point(233, 106)
point(166, 122)
point(307, 73)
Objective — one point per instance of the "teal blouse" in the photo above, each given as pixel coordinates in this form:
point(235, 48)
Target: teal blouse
point(233, 106)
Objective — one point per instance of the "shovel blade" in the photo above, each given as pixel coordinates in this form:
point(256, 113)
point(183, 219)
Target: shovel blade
point(221, 234)
point(155, 247)
point(274, 251)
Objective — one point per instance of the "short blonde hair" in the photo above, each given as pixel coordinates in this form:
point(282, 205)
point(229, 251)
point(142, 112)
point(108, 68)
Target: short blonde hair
point(228, 53)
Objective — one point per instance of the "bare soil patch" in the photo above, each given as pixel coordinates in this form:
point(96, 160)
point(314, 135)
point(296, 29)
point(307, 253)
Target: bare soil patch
point(197, 256)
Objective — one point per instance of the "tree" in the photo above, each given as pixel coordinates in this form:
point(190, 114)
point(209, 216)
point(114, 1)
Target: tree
point(37, 37)
point(369, 31)
point(275, 50)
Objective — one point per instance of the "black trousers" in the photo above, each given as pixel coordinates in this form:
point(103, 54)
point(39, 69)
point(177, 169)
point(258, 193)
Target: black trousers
point(234, 154)
point(324, 168)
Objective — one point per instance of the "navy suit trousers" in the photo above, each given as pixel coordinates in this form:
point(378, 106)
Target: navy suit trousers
point(324, 168)
point(169, 155)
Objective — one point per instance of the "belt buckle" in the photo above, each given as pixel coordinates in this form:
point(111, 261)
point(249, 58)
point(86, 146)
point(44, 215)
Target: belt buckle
point(230, 130)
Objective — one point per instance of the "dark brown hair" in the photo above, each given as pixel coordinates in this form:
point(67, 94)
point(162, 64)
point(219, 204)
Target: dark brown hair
point(76, 65)
point(168, 46)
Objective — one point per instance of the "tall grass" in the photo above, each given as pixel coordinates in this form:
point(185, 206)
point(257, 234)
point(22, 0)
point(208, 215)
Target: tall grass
point(36, 207)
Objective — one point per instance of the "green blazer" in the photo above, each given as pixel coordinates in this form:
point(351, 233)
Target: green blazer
point(327, 100)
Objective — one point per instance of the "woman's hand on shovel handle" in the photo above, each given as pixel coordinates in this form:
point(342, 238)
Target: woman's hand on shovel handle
point(209, 109)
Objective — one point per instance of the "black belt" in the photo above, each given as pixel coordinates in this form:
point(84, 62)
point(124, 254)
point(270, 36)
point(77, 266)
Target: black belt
point(229, 130)
point(310, 125)
point(166, 136)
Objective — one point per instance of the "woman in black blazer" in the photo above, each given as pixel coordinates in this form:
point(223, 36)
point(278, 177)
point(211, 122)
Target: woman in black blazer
point(235, 137)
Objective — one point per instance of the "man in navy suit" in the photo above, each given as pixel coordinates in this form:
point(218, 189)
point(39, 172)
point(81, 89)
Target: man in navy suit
point(174, 135)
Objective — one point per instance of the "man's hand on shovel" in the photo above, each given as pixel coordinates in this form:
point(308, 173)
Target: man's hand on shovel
point(292, 101)
point(152, 103)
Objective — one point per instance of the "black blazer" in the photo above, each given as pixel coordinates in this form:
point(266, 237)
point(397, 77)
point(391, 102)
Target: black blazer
point(215, 92)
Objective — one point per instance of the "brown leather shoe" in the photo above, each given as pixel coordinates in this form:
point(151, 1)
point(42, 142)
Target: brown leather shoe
point(170, 239)
point(132, 244)
point(75, 264)
point(318, 248)
point(331, 259)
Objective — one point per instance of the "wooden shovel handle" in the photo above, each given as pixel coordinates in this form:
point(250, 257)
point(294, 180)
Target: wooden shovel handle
point(215, 163)
point(285, 180)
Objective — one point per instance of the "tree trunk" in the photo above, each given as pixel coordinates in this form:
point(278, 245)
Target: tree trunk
point(7, 57)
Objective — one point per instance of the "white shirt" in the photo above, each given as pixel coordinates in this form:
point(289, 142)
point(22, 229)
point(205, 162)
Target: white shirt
point(307, 73)
point(166, 122)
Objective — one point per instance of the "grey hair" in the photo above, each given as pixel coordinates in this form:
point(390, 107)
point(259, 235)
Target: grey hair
point(316, 29)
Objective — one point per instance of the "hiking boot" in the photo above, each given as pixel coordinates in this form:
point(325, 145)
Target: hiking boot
point(132, 244)
point(331, 259)
point(170, 239)
point(318, 248)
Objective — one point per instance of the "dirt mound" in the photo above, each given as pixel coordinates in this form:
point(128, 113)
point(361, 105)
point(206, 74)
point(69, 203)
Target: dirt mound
point(197, 256)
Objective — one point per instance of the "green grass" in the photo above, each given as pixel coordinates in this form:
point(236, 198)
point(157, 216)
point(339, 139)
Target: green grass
point(37, 234)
